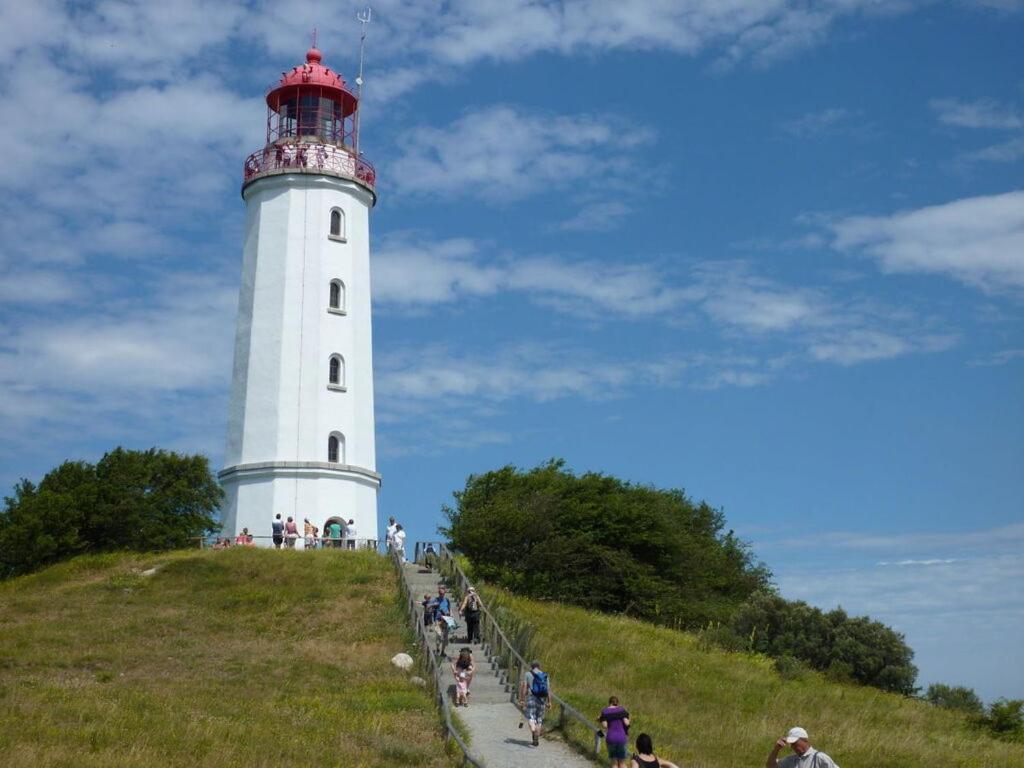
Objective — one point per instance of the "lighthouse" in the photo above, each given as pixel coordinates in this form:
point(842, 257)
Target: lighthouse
point(300, 439)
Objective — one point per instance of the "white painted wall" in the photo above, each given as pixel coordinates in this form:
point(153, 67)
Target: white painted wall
point(281, 409)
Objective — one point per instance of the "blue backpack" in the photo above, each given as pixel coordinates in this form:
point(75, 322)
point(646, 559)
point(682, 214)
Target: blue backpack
point(539, 684)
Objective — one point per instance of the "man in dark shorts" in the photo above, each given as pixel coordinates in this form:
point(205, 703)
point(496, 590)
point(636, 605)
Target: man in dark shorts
point(277, 528)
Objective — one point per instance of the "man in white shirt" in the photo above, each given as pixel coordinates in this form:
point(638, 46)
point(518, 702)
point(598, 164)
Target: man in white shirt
point(350, 534)
point(389, 539)
point(398, 543)
point(804, 755)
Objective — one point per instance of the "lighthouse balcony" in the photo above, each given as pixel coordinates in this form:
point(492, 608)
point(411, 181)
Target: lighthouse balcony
point(308, 157)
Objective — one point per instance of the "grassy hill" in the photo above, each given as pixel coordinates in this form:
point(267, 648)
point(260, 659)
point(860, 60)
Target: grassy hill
point(224, 658)
point(712, 709)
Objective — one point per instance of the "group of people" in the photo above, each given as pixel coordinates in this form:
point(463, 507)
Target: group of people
point(395, 539)
point(437, 617)
point(243, 539)
point(337, 533)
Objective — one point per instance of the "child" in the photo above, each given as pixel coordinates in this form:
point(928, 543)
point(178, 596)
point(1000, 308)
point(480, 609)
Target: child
point(462, 690)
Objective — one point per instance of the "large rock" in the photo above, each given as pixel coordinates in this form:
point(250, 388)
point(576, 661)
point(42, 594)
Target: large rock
point(402, 660)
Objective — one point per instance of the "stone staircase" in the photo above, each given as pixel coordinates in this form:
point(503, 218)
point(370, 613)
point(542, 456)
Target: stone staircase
point(492, 719)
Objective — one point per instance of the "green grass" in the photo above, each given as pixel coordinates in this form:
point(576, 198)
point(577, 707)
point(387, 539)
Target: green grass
point(221, 658)
point(712, 709)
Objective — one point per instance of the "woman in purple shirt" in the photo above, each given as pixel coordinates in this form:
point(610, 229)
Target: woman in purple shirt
point(615, 722)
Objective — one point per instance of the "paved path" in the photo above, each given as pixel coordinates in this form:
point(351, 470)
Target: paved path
point(491, 717)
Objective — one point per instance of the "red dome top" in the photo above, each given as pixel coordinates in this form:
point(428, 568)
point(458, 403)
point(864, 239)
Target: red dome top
point(312, 76)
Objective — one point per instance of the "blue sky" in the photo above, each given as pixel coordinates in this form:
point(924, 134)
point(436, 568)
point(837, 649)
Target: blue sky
point(771, 252)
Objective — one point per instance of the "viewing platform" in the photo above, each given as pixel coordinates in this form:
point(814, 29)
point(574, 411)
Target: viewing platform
point(308, 157)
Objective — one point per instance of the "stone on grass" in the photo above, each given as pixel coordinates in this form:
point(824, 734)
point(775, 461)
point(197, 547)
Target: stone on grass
point(418, 681)
point(402, 660)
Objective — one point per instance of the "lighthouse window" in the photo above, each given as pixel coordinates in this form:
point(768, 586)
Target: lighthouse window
point(337, 224)
point(336, 448)
point(337, 299)
point(336, 373)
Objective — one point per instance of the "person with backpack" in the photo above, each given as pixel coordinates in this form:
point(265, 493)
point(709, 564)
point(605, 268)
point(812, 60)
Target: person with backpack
point(614, 720)
point(644, 756)
point(804, 755)
point(277, 529)
point(470, 610)
point(534, 693)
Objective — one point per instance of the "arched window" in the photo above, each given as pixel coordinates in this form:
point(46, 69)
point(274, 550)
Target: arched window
point(337, 298)
point(337, 224)
point(336, 448)
point(336, 374)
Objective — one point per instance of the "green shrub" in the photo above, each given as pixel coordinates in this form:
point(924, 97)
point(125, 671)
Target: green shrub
point(791, 668)
point(954, 697)
point(1005, 719)
point(602, 543)
point(129, 500)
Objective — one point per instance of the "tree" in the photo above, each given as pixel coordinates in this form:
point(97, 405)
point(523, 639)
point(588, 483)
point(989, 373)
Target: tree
point(857, 649)
point(600, 542)
point(954, 697)
point(1005, 719)
point(136, 500)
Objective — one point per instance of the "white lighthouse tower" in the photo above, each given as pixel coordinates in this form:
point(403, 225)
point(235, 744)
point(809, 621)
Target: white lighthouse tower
point(300, 423)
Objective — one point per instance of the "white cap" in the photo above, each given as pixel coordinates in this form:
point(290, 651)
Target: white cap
point(795, 734)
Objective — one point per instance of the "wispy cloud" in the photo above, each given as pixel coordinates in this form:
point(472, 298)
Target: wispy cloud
point(977, 240)
point(982, 113)
point(817, 123)
point(408, 274)
point(503, 153)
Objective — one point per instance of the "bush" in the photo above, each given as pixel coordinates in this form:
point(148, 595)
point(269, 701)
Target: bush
point(791, 668)
point(1005, 719)
point(954, 697)
point(129, 500)
point(845, 649)
point(602, 543)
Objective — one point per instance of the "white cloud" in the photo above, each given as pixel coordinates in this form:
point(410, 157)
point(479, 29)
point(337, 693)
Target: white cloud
point(1001, 357)
point(1003, 538)
point(978, 240)
point(413, 270)
point(504, 153)
point(817, 123)
point(982, 113)
point(1003, 152)
point(597, 217)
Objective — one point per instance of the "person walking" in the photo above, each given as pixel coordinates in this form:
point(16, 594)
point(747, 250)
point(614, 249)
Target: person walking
point(291, 533)
point(442, 612)
point(614, 721)
point(428, 611)
point(398, 542)
point(277, 531)
point(644, 756)
point(470, 610)
point(534, 693)
point(389, 537)
point(804, 755)
point(463, 670)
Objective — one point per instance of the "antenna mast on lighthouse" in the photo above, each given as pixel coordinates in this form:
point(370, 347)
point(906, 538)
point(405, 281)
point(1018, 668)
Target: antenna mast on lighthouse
point(364, 20)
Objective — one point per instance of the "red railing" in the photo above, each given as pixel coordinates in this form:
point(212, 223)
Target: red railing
point(302, 157)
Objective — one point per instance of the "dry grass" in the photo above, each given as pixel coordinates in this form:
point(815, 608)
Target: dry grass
point(232, 658)
point(712, 709)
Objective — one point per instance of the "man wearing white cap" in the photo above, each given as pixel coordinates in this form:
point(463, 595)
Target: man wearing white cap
point(805, 756)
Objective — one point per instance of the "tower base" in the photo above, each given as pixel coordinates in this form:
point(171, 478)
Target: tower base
point(317, 491)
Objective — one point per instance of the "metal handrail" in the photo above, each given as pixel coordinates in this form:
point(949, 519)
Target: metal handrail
point(308, 157)
point(432, 665)
point(503, 647)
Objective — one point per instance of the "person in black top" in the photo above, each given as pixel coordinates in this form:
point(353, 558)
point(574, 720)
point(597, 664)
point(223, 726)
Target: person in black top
point(644, 756)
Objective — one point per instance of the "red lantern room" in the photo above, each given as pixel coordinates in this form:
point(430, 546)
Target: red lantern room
point(312, 126)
